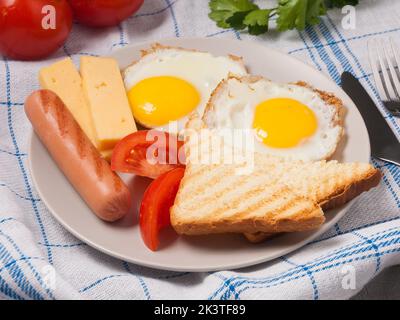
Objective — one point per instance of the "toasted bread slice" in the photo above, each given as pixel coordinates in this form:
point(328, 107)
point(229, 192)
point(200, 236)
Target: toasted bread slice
point(328, 183)
point(225, 202)
point(277, 196)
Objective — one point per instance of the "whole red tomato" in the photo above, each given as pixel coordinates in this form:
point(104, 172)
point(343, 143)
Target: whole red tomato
point(103, 13)
point(33, 29)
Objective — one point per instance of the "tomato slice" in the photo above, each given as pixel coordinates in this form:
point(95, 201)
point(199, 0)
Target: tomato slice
point(156, 203)
point(148, 153)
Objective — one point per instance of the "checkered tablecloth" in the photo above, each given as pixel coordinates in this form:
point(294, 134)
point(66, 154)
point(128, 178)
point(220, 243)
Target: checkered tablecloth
point(39, 259)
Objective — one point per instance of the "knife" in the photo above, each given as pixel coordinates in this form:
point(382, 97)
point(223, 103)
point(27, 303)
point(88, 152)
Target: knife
point(384, 144)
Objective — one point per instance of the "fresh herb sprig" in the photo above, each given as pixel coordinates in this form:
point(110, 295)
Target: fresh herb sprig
point(290, 14)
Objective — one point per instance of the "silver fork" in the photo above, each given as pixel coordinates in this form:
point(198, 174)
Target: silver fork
point(385, 63)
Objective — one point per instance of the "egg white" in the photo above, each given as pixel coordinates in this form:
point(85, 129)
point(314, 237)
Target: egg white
point(201, 69)
point(233, 106)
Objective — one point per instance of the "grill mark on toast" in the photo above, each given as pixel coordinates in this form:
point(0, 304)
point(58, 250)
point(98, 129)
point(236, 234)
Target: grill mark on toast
point(215, 180)
point(247, 212)
point(252, 193)
point(223, 192)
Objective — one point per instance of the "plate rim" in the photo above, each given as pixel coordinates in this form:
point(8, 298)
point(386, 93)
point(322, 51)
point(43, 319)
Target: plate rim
point(227, 266)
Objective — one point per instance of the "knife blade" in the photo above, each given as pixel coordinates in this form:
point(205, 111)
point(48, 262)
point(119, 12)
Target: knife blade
point(384, 143)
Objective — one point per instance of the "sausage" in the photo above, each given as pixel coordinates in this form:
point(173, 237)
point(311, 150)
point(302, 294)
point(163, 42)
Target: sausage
point(91, 176)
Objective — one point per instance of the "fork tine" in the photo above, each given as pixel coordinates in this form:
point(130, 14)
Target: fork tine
point(387, 83)
point(375, 69)
point(395, 78)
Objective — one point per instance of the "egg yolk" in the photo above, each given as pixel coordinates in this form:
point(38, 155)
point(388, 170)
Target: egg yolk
point(283, 123)
point(158, 100)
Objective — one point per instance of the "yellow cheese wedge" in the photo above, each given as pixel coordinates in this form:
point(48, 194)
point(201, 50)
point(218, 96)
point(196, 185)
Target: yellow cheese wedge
point(64, 79)
point(106, 95)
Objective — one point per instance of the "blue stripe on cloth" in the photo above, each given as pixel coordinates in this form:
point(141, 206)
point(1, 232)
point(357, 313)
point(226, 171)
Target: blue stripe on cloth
point(227, 283)
point(17, 194)
point(261, 284)
point(378, 258)
point(310, 53)
point(12, 103)
point(335, 49)
point(341, 253)
point(18, 275)
point(35, 273)
point(13, 261)
point(97, 282)
point(333, 72)
point(7, 219)
point(171, 9)
point(367, 35)
point(220, 32)
point(358, 228)
point(237, 34)
point(7, 291)
point(394, 170)
point(20, 163)
point(390, 188)
point(13, 153)
point(121, 41)
point(73, 245)
point(140, 279)
point(348, 39)
point(309, 273)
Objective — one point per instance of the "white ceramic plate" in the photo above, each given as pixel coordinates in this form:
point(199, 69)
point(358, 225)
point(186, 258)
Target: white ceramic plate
point(123, 240)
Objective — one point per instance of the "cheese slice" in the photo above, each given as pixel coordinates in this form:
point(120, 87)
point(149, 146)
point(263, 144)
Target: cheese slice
point(64, 79)
point(106, 95)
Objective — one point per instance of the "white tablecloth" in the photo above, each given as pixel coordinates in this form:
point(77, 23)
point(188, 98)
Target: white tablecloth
point(39, 259)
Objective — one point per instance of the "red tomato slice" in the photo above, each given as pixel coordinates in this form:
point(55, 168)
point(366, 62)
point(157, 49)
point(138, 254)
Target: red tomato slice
point(156, 203)
point(147, 153)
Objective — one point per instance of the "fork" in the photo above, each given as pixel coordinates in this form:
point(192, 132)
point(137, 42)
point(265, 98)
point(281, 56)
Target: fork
point(385, 62)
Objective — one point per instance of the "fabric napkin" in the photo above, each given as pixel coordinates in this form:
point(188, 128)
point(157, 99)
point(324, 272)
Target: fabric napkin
point(39, 259)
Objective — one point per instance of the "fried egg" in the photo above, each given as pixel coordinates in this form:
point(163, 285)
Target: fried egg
point(167, 84)
point(293, 121)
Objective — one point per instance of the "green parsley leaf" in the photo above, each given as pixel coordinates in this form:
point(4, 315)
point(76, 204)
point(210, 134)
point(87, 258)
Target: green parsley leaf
point(257, 21)
point(220, 18)
point(230, 13)
point(296, 14)
point(292, 14)
point(237, 20)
